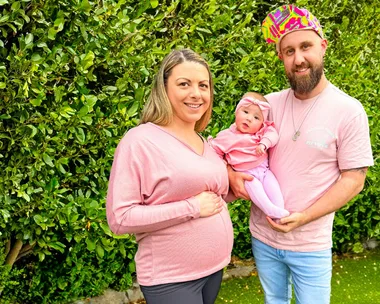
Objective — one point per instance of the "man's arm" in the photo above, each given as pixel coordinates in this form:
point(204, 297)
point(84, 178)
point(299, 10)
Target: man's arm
point(236, 181)
point(351, 182)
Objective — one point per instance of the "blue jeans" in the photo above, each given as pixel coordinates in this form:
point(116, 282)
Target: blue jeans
point(310, 273)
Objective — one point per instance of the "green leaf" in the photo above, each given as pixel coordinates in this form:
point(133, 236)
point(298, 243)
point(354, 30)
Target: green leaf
point(62, 283)
point(26, 196)
point(3, 85)
point(106, 229)
point(53, 184)
point(99, 250)
point(47, 159)
point(5, 214)
point(122, 250)
point(201, 29)
point(83, 111)
point(15, 6)
point(132, 266)
point(41, 256)
point(80, 135)
point(90, 244)
point(59, 22)
point(4, 18)
point(58, 246)
point(139, 93)
point(132, 111)
point(153, 3)
point(61, 169)
point(85, 6)
point(38, 219)
point(51, 33)
point(36, 58)
point(212, 8)
point(29, 38)
point(90, 101)
point(87, 120)
point(34, 130)
point(88, 60)
point(3, 2)
point(35, 102)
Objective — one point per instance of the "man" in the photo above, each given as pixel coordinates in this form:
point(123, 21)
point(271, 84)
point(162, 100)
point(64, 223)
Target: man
point(320, 161)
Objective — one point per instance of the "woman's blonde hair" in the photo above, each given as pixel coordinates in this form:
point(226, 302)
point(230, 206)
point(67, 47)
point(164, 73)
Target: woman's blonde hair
point(158, 108)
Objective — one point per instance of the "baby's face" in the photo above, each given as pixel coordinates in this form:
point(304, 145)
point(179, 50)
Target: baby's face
point(249, 119)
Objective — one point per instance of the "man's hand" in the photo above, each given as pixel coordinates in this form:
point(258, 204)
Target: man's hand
point(237, 180)
point(350, 184)
point(288, 223)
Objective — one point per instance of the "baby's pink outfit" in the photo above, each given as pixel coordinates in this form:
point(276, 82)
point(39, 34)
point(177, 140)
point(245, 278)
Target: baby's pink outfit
point(239, 151)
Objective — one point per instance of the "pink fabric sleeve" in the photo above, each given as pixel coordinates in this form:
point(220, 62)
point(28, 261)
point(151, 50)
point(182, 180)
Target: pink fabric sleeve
point(270, 137)
point(134, 172)
point(217, 144)
point(354, 150)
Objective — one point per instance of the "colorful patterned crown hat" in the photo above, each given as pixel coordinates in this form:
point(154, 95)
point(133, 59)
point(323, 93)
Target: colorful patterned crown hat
point(286, 19)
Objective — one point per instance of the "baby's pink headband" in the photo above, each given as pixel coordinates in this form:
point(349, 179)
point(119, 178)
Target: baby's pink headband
point(247, 101)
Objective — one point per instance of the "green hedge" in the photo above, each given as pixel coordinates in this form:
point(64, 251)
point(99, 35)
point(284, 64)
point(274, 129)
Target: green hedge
point(73, 78)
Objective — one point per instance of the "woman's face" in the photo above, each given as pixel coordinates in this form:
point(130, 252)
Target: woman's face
point(188, 89)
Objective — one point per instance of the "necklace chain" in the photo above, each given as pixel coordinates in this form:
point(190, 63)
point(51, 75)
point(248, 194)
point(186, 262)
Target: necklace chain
point(297, 132)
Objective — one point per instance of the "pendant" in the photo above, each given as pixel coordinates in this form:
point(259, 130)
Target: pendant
point(296, 135)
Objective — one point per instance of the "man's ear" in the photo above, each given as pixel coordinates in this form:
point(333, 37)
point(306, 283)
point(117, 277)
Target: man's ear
point(324, 44)
point(279, 54)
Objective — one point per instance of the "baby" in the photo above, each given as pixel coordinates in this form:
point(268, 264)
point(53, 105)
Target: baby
point(244, 147)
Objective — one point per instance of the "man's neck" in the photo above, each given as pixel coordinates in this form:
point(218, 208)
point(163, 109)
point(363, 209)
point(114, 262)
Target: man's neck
point(316, 91)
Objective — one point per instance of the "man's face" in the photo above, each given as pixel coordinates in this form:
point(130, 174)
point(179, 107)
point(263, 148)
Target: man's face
point(302, 53)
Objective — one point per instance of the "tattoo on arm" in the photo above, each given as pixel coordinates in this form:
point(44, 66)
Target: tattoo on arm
point(362, 170)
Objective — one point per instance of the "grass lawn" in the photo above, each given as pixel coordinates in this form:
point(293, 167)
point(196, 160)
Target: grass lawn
point(355, 280)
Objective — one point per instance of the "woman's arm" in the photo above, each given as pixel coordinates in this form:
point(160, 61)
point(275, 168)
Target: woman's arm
point(132, 175)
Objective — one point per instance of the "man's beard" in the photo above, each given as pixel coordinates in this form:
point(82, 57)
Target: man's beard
point(305, 84)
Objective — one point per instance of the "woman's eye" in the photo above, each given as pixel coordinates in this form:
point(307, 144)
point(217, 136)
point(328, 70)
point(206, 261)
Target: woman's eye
point(183, 84)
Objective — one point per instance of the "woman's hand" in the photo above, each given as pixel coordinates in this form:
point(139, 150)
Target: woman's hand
point(237, 180)
point(210, 203)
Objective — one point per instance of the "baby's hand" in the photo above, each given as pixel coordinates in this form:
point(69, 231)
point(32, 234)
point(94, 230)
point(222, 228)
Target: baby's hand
point(260, 149)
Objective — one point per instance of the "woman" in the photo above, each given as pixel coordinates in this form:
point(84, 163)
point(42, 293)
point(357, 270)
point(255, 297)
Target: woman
point(167, 187)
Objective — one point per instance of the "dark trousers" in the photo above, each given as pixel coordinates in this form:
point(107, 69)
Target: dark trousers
point(201, 291)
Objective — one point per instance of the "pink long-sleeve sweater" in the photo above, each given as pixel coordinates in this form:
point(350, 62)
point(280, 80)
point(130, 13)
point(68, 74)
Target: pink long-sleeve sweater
point(239, 149)
point(153, 181)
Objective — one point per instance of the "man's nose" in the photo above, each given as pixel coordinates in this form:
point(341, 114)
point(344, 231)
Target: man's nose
point(299, 59)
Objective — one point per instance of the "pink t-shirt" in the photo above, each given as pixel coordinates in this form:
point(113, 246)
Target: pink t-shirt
point(153, 181)
point(334, 136)
point(239, 149)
